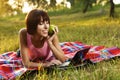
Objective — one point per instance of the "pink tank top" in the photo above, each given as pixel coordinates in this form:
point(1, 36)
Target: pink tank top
point(43, 54)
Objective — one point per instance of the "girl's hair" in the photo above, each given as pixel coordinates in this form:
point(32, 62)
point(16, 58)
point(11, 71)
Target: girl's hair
point(33, 18)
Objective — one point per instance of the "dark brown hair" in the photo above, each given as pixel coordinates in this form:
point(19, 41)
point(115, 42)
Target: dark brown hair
point(34, 18)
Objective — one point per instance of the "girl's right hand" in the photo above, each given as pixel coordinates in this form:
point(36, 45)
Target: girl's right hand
point(53, 62)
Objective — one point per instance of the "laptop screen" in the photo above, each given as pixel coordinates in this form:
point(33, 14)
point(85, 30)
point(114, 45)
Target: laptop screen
point(77, 59)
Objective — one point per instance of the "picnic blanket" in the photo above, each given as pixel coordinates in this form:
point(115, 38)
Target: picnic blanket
point(11, 66)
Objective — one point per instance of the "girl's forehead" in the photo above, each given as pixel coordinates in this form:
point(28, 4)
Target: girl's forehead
point(43, 18)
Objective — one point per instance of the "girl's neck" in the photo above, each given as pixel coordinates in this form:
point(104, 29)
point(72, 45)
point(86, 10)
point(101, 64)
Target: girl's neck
point(38, 41)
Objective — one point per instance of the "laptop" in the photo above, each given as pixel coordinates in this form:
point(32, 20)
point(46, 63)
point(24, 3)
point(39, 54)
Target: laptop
point(77, 60)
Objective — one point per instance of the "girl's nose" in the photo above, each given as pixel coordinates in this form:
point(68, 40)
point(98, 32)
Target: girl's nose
point(45, 26)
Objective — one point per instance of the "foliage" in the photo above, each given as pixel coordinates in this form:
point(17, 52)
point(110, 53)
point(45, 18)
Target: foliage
point(72, 2)
point(52, 3)
point(42, 4)
point(5, 9)
point(92, 28)
point(19, 5)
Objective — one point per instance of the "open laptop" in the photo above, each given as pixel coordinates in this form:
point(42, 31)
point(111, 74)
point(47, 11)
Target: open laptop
point(76, 60)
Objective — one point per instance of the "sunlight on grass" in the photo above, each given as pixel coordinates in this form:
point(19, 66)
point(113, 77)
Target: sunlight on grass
point(91, 28)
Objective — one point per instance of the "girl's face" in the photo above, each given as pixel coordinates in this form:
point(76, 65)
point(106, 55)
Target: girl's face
point(42, 28)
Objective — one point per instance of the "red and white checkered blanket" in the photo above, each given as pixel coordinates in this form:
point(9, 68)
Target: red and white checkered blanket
point(11, 65)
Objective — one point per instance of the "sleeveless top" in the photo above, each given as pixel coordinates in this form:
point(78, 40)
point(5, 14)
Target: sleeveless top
point(39, 54)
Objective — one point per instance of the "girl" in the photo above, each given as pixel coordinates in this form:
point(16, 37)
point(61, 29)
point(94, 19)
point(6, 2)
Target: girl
point(37, 48)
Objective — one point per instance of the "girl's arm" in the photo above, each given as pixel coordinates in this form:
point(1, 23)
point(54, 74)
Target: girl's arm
point(53, 42)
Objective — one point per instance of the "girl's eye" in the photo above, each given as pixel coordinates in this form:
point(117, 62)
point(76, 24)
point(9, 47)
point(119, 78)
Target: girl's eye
point(41, 23)
point(47, 22)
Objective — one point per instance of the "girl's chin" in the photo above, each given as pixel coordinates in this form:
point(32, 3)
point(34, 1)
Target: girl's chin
point(45, 35)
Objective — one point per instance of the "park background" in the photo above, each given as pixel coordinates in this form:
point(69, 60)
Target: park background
point(93, 22)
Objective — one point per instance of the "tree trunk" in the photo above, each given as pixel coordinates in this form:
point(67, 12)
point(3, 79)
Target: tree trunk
point(72, 2)
point(86, 6)
point(112, 8)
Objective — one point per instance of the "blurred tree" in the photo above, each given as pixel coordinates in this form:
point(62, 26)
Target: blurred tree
point(52, 3)
point(87, 4)
point(19, 5)
point(5, 8)
point(84, 4)
point(112, 8)
point(42, 4)
point(72, 2)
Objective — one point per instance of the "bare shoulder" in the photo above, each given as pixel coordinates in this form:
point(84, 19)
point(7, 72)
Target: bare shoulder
point(22, 31)
point(23, 35)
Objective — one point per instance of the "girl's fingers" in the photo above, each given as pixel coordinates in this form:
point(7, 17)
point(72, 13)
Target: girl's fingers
point(56, 62)
point(56, 29)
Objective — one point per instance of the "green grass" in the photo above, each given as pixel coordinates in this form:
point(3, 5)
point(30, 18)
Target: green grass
point(9, 28)
point(92, 28)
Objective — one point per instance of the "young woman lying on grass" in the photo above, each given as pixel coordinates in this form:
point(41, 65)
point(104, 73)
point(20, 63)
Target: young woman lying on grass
point(37, 48)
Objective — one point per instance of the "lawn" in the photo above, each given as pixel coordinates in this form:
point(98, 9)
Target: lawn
point(93, 28)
